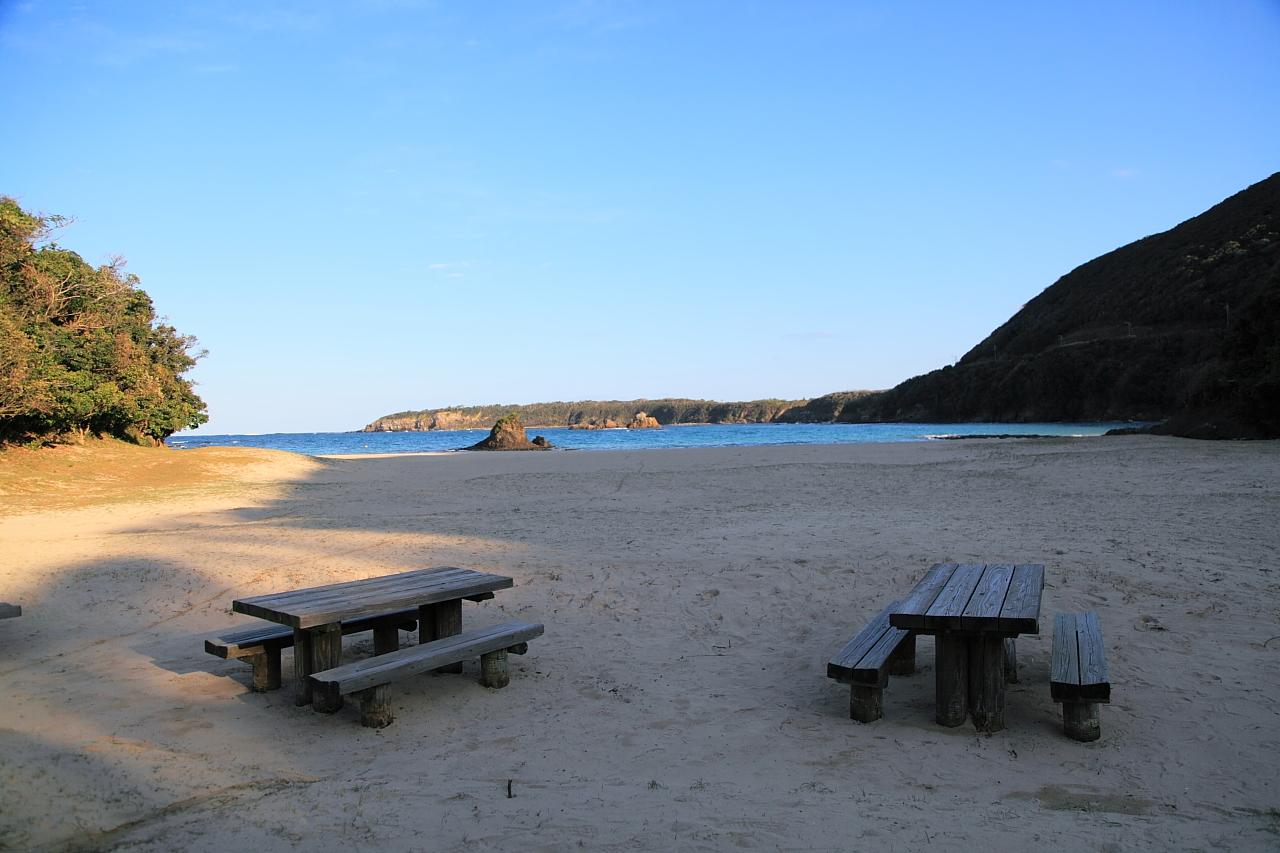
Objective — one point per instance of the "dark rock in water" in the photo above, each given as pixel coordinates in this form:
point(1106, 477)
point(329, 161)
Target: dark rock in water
point(508, 434)
point(597, 423)
point(643, 420)
point(1128, 431)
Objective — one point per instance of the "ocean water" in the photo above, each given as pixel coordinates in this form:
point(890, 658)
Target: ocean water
point(714, 435)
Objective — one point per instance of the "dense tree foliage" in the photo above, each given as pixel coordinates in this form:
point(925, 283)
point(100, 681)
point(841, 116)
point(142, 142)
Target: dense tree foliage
point(667, 411)
point(81, 350)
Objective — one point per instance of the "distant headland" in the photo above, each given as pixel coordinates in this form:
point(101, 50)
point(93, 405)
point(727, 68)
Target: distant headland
point(1179, 328)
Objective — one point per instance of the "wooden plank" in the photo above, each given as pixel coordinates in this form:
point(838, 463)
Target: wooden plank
point(340, 602)
point(841, 666)
point(9, 611)
point(1021, 611)
point(873, 668)
point(249, 641)
point(1095, 680)
point(326, 653)
point(1064, 665)
point(982, 613)
point(947, 608)
point(301, 667)
point(910, 611)
point(418, 659)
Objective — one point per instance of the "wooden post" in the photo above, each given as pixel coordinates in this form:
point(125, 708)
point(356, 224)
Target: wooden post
point(375, 707)
point(986, 682)
point(326, 653)
point(1080, 721)
point(426, 623)
point(951, 704)
point(1011, 660)
point(903, 659)
point(266, 669)
point(448, 623)
point(866, 703)
point(493, 669)
point(386, 638)
point(301, 666)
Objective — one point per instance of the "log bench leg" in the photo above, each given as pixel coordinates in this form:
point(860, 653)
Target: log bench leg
point(1011, 660)
point(1080, 721)
point(266, 670)
point(493, 669)
point(375, 707)
point(986, 682)
point(903, 660)
point(866, 703)
point(951, 703)
point(326, 653)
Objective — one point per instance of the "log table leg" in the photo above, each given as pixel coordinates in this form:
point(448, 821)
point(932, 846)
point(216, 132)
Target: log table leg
point(326, 653)
point(986, 682)
point(302, 666)
point(266, 670)
point(1011, 660)
point(493, 669)
point(952, 679)
point(447, 623)
point(1080, 721)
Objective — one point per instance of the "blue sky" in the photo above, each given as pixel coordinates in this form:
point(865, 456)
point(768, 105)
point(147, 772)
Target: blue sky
point(366, 207)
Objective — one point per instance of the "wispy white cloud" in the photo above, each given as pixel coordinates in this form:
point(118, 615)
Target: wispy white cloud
point(450, 269)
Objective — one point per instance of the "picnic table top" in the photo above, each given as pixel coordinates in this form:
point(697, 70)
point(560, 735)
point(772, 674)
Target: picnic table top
point(996, 598)
point(323, 605)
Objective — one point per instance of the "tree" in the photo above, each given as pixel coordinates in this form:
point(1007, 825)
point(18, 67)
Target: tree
point(81, 349)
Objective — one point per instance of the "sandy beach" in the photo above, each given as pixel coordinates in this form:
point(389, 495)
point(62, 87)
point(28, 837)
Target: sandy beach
point(678, 700)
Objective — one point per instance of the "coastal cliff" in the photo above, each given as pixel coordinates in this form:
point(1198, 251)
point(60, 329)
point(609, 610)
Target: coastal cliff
point(1181, 327)
point(589, 413)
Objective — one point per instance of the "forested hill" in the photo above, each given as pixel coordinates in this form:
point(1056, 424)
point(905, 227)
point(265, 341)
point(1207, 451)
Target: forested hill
point(1183, 325)
point(666, 411)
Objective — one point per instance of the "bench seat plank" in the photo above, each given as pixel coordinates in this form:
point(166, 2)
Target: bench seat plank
point(9, 611)
point(424, 657)
point(1078, 668)
point(842, 666)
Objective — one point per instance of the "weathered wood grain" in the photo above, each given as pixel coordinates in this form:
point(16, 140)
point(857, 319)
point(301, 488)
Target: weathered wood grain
point(301, 666)
point(1021, 611)
point(326, 653)
point(1064, 665)
point(1078, 667)
point(864, 658)
point(954, 597)
point(424, 657)
point(903, 660)
point(247, 641)
point(1011, 660)
point(375, 707)
point(448, 623)
point(986, 682)
point(982, 612)
point(1080, 721)
point(307, 608)
point(866, 703)
point(910, 611)
point(266, 670)
point(493, 669)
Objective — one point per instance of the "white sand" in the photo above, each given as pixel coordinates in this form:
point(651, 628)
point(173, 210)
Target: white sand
point(678, 700)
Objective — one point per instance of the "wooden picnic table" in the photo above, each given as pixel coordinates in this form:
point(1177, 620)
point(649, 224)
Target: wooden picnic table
point(972, 609)
point(316, 614)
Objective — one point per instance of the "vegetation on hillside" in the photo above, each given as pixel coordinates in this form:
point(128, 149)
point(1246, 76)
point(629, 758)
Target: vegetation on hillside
point(561, 414)
point(81, 349)
point(1183, 325)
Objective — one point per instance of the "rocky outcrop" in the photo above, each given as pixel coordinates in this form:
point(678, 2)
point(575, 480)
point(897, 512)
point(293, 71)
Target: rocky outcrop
point(508, 434)
point(597, 423)
point(643, 421)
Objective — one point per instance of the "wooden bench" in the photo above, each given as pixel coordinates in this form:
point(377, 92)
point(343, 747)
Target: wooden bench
point(1078, 677)
point(866, 662)
point(9, 611)
point(368, 679)
point(260, 645)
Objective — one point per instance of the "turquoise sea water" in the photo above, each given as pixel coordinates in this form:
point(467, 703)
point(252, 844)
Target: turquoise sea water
point(717, 435)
